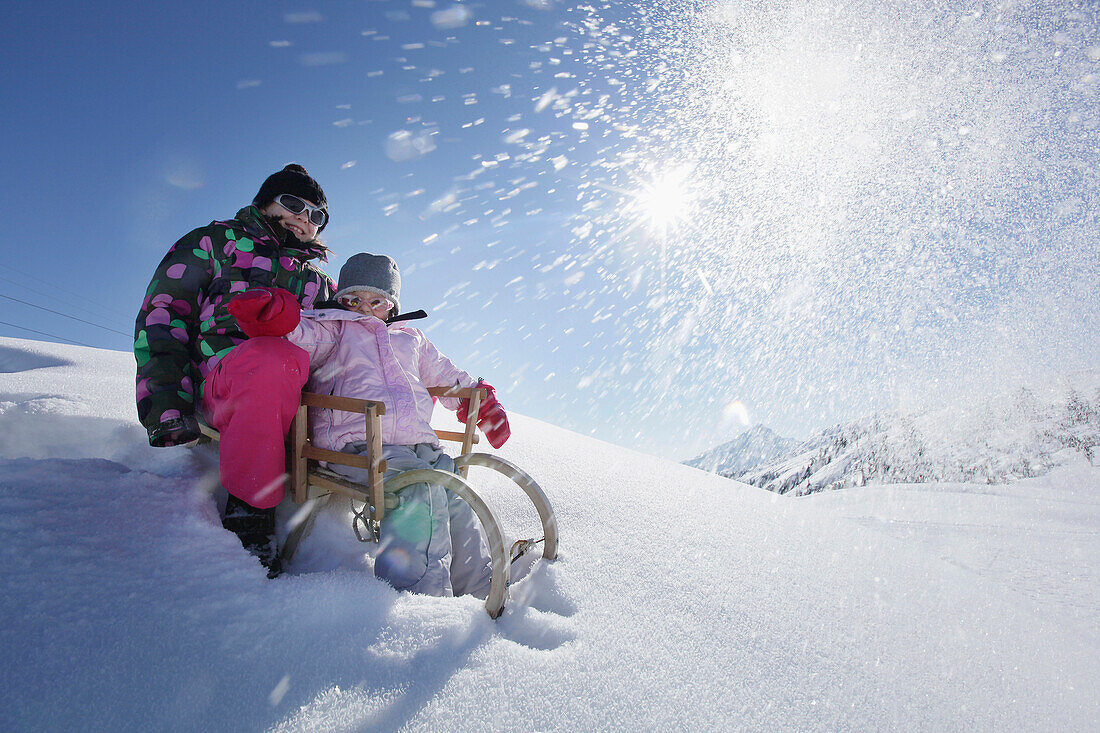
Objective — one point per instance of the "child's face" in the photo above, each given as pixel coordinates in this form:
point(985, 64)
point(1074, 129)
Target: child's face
point(369, 304)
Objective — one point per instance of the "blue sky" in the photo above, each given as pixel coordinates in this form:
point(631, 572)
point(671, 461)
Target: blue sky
point(650, 222)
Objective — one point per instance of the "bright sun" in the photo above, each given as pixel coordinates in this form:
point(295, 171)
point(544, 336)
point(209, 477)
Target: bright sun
point(736, 415)
point(664, 202)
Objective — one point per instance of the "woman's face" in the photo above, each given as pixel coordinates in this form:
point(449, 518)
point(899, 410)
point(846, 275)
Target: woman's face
point(298, 224)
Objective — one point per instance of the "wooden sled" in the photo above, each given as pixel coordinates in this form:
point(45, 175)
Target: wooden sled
point(314, 485)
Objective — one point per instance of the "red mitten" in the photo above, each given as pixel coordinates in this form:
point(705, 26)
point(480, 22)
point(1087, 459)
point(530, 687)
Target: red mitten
point(266, 311)
point(494, 424)
point(463, 410)
point(491, 417)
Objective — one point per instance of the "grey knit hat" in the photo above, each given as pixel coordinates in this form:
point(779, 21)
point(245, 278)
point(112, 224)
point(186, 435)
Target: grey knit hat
point(371, 273)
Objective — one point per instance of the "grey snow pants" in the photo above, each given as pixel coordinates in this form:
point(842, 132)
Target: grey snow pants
point(432, 542)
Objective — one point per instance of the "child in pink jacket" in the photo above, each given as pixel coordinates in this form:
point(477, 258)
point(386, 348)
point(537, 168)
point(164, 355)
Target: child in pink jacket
point(431, 543)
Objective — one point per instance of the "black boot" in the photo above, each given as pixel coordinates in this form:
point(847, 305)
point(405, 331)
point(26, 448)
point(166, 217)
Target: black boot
point(256, 530)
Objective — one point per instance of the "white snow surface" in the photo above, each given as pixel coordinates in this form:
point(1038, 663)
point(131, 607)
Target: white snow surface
point(680, 598)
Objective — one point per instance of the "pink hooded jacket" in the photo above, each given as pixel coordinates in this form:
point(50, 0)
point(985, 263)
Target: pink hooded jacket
point(354, 355)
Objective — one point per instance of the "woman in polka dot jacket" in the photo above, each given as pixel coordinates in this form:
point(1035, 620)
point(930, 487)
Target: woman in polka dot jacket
point(192, 356)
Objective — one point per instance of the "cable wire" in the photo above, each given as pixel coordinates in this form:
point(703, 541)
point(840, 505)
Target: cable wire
point(54, 287)
point(51, 335)
point(66, 315)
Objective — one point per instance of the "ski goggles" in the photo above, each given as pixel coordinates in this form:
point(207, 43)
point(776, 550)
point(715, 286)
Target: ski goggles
point(373, 302)
point(317, 214)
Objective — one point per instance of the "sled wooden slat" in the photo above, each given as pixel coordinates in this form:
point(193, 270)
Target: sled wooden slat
point(336, 402)
point(312, 452)
point(377, 504)
point(299, 465)
point(456, 392)
point(468, 437)
point(328, 481)
point(355, 460)
point(455, 437)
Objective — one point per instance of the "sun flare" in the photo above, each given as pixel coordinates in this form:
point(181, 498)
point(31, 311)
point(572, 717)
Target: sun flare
point(736, 415)
point(664, 202)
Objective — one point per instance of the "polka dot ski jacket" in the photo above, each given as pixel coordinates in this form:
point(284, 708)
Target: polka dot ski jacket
point(183, 329)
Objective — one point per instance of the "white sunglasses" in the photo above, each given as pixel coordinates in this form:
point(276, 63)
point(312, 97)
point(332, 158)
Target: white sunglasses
point(354, 301)
point(317, 215)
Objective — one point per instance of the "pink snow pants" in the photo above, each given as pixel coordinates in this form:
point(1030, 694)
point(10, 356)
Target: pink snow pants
point(251, 397)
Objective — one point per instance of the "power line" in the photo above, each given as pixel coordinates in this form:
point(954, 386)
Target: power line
point(53, 286)
point(51, 335)
point(66, 315)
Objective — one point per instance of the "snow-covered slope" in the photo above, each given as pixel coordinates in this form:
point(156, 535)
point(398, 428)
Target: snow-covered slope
point(681, 598)
point(757, 445)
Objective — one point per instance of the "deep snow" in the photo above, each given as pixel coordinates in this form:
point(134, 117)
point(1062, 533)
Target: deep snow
point(680, 599)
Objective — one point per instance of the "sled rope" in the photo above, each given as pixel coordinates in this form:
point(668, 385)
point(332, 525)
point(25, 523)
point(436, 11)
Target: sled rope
point(522, 547)
point(362, 516)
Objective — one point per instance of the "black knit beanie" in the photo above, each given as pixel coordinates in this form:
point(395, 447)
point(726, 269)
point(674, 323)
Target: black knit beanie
point(294, 180)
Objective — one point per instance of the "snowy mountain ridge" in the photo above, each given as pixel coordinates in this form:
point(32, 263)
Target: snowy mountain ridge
point(1020, 435)
point(756, 446)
